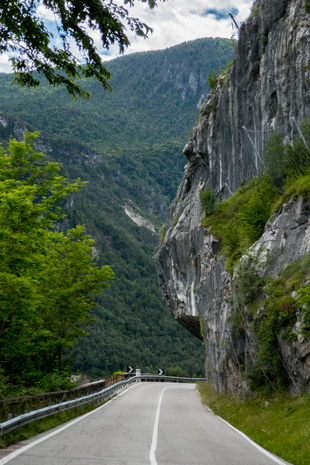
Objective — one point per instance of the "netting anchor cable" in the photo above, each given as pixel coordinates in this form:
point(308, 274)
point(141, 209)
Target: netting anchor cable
point(300, 133)
point(253, 145)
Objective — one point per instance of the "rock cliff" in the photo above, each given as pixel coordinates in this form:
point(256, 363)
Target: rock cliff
point(266, 89)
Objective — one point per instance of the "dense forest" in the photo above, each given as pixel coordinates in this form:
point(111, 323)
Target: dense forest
point(127, 146)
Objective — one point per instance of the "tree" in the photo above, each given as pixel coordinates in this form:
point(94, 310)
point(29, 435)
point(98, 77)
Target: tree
point(67, 283)
point(26, 35)
point(47, 277)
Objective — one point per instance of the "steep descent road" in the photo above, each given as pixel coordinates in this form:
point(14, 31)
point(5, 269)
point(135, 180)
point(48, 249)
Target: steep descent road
point(149, 424)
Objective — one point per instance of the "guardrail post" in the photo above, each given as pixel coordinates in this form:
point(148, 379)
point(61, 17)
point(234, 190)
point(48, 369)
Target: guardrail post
point(138, 373)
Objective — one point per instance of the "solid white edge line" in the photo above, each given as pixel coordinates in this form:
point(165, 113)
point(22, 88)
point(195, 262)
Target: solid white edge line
point(153, 460)
point(14, 454)
point(260, 448)
point(253, 443)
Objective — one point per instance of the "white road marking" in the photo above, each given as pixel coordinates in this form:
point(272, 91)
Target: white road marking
point(14, 454)
point(261, 449)
point(155, 430)
point(153, 460)
point(155, 435)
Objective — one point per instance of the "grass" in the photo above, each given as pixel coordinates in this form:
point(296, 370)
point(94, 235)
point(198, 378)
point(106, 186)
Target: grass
point(297, 187)
point(240, 220)
point(279, 423)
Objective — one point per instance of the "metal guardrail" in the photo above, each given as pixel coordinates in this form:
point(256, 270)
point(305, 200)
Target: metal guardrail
point(169, 378)
point(100, 396)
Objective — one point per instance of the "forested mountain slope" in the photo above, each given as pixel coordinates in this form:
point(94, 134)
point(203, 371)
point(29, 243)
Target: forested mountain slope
point(128, 146)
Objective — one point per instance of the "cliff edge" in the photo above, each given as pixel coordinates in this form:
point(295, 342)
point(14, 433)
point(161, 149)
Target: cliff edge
point(266, 89)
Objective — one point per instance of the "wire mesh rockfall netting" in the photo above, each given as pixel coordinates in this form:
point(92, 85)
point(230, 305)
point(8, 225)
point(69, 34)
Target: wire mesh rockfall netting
point(280, 152)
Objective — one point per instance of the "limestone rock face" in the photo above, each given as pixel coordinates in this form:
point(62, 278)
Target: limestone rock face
point(267, 89)
point(268, 86)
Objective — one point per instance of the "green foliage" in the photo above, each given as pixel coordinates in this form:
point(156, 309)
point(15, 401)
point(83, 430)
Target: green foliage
point(299, 186)
point(285, 163)
point(276, 317)
point(143, 139)
point(32, 429)
point(47, 278)
point(256, 211)
point(212, 80)
point(307, 6)
point(247, 274)
point(55, 381)
point(279, 422)
point(207, 200)
point(254, 11)
point(240, 220)
point(176, 371)
point(163, 231)
point(304, 306)
point(124, 152)
point(274, 155)
point(225, 72)
point(28, 37)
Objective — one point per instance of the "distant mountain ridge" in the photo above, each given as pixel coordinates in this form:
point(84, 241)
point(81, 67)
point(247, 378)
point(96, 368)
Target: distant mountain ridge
point(128, 146)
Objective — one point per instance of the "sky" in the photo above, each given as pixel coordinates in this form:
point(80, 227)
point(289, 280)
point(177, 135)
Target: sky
point(172, 21)
point(177, 21)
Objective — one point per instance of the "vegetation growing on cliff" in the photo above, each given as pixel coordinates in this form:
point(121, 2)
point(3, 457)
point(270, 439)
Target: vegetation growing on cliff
point(268, 309)
point(285, 302)
point(240, 220)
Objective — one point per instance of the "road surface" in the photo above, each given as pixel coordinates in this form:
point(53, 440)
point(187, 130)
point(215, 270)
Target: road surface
point(147, 424)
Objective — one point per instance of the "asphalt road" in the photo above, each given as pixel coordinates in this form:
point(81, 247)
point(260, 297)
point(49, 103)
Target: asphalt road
point(147, 424)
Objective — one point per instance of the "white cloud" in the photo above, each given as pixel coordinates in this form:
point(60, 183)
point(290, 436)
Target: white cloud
point(5, 65)
point(177, 21)
point(173, 21)
point(45, 14)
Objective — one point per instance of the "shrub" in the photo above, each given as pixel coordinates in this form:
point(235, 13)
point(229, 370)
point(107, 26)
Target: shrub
point(207, 200)
point(274, 159)
point(304, 303)
point(283, 162)
point(176, 371)
point(240, 220)
point(212, 80)
point(247, 274)
point(256, 212)
point(55, 382)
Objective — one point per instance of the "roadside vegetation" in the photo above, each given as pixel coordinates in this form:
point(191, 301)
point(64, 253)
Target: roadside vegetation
point(279, 422)
point(48, 277)
point(40, 426)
